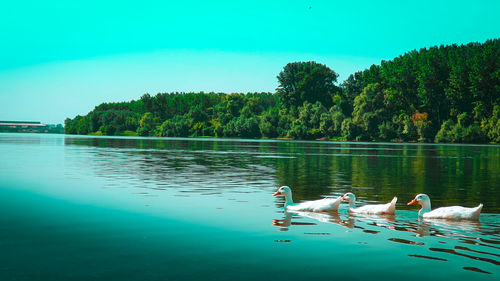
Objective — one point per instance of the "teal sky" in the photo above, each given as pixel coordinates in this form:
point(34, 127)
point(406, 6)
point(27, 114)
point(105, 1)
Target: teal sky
point(61, 58)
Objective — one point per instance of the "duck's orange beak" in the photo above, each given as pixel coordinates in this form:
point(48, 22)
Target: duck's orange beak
point(343, 198)
point(414, 201)
point(276, 193)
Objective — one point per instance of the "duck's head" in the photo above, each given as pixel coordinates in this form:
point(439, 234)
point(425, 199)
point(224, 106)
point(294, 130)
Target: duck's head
point(284, 190)
point(422, 199)
point(349, 197)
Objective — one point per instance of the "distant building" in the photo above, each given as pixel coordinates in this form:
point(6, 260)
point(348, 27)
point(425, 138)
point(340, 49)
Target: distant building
point(23, 127)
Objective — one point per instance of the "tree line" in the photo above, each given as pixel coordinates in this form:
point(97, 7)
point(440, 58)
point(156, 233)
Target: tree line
point(442, 94)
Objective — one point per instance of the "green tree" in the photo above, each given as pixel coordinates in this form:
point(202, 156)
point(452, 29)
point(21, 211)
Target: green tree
point(351, 88)
point(269, 123)
point(491, 126)
point(306, 81)
point(422, 124)
point(349, 130)
point(82, 127)
point(369, 111)
point(146, 124)
point(331, 123)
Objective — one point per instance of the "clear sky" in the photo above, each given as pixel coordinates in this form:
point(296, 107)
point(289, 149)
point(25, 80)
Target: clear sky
point(59, 59)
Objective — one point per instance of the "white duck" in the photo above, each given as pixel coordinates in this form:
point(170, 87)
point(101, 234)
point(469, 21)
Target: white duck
point(378, 209)
point(322, 205)
point(451, 213)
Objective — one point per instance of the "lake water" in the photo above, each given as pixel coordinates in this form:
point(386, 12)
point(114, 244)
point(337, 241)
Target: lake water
point(99, 208)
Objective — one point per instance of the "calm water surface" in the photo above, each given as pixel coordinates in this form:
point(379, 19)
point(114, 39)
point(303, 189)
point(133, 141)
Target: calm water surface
point(97, 208)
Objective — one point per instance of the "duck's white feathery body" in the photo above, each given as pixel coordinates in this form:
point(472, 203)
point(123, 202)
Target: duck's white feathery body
point(375, 209)
point(321, 205)
point(450, 213)
point(454, 213)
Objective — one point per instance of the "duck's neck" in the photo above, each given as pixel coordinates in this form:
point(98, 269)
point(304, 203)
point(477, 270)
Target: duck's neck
point(352, 204)
point(426, 207)
point(288, 199)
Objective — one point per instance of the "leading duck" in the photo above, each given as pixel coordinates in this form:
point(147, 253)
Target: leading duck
point(321, 205)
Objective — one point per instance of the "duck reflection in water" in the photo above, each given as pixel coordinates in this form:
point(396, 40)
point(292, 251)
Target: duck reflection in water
point(325, 217)
point(421, 228)
point(444, 228)
point(452, 229)
point(283, 223)
point(381, 220)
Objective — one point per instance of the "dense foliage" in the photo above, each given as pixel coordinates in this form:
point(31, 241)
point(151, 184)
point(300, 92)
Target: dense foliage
point(442, 94)
point(179, 115)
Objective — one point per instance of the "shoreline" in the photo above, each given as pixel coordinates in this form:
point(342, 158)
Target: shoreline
point(210, 138)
